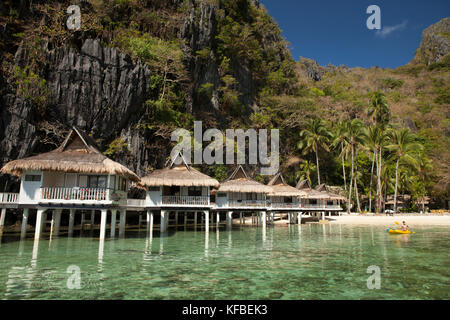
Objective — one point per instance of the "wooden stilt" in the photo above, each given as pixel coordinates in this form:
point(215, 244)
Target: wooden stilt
point(23, 232)
point(2, 218)
point(149, 223)
point(56, 221)
point(71, 221)
point(195, 220)
point(229, 219)
point(164, 222)
point(122, 223)
point(41, 217)
point(206, 220)
point(82, 220)
point(113, 223)
point(104, 215)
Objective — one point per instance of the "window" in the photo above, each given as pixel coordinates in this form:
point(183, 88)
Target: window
point(96, 181)
point(221, 195)
point(194, 191)
point(122, 184)
point(153, 189)
point(112, 182)
point(33, 177)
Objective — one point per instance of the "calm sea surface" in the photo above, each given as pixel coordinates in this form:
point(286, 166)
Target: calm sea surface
point(293, 262)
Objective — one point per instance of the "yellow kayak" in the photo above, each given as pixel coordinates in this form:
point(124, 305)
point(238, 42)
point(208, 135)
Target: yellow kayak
point(393, 231)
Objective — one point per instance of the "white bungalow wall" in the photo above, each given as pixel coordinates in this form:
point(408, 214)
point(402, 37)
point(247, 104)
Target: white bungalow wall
point(30, 190)
point(154, 194)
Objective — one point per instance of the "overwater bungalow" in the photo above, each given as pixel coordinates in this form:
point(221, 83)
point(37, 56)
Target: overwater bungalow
point(240, 193)
point(178, 188)
point(74, 177)
point(320, 199)
point(284, 198)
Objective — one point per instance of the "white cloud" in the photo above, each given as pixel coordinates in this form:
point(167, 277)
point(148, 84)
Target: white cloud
point(385, 31)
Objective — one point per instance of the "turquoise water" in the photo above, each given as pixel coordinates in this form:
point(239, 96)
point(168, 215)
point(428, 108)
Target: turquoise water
point(294, 262)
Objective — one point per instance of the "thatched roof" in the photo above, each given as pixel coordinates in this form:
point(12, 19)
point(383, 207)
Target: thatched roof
point(311, 193)
point(240, 182)
point(332, 195)
point(303, 184)
point(78, 153)
point(178, 175)
point(281, 189)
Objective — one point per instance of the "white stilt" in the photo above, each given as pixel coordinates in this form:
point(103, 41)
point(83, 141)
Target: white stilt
point(185, 219)
point(2, 217)
point(56, 221)
point(217, 219)
point(195, 220)
point(229, 219)
point(240, 217)
point(176, 219)
point(40, 223)
point(323, 215)
point(163, 225)
point(103, 223)
point(206, 220)
point(82, 220)
point(23, 232)
point(71, 221)
point(263, 219)
point(299, 218)
point(113, 223)
point(149, 223)
point(92, 218)
point(122, 224)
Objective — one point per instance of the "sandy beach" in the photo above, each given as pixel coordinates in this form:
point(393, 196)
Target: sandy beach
point(389, 220)
point(411, 220)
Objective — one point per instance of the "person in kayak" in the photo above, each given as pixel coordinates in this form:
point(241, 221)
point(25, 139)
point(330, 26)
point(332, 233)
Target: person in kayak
point(404, 226)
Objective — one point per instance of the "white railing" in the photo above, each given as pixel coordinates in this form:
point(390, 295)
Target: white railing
point(136, 202)
point(285, 205)
point(8, 197)
point(61, 193)
point(185, 200)
point(247, 203)
point(320, 206)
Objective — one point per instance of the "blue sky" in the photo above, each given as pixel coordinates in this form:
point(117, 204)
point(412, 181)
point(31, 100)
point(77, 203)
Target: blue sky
point(335, 31)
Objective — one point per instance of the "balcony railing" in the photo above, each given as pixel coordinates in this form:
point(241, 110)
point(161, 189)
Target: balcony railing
point(8, 197)
point(247, 203)
point(61, 193)
point(136, 202)
point(320, 206)
point(285, 205)
point(185, 200)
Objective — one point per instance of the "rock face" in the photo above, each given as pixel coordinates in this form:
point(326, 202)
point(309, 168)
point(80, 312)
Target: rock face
point(96, 88)
point(435, 43)
point(101, 90)
point(312, 69)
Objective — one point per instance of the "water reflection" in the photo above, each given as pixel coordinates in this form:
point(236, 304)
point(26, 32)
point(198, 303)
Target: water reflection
point(304, 252)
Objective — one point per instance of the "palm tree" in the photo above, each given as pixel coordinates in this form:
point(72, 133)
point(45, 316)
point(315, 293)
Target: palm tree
point(424, 166)
point(405, 147)
point(306, 169)
point(374, 141)
point(378, 109)
point(314, 136)
point(355, 137)
point(340, 139)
